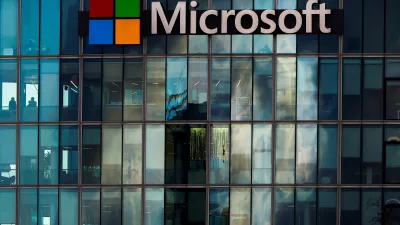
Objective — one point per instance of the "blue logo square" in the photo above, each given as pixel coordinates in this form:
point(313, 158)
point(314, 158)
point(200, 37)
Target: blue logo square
point(101, 32)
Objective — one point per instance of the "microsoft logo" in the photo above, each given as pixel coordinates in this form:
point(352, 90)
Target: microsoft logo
point(114, 22)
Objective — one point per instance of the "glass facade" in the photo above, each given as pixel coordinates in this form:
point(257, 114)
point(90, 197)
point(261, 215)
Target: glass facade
point(196, 129)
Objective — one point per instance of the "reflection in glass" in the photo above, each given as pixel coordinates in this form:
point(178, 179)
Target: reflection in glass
point(8, 27)
point(177, 93)
point(69, 26)
point(28, 156)
point(90, 206)
point(29, 90)
point(241, 98)
point(307, 43)
point(372, 89)
point(326, 206)
point(221, 89)
point(132, 155)
point(263, 89)
point(49, 101)
point(198, 89)
point(198, 44)
point(392, 100)
point(261, 204)
point(112, 89)
point(284, 206)
point(327, 153)
point(48, 206)
point(155, 154)
point(285, 154)
point(221, 44)
point(371, 199)
point(69, 84)
point(263, 43)
point(286, 43)
point(92, 82)
point(241, 154)
point(133, 89)
point(155, 89)
point(307, 88)
point(8, 86)
point(305, 206)
point(286, 89)
point(68, 205)
point(263, 4)
point(242, 44)
point(8, 206)
point(132, 206)
point(219, 206)
point(351, 98)
point(68, 155)
point(219, 154)
point(372, 154)
point(350, 214)
point(111, 206)
point(154, 206)
point(50, 27)
point(30, 27)
point(177, 44)
point(392, 164)
point(306, 153)
point(48, 154)
point(262, 152)
point(91, 154)
point(111, 157)
point(352, 29)
point(240, 206)
point(351, 151)
point(328, 89)
point(28, 206)
point(8, 150)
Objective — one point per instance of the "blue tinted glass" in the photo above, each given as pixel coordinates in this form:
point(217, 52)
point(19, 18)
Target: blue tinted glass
point(350, 207)
point(156, 45)
point(29, 90)
point(48, 206)
point(307, 43)
point(8, 206)
point(328, 43)
point(373, 89)
point(351, 99)
point(111, 206)
point(327, 201)
point(90, 206)
point(177, 96)
point(242, 4)
point(49, 100)
point(284, 206)
point(374, 26)
point(92, 90)
point(242, 44)
point(132, 206)
point(351, 154)
point(69, 85)
point(155, 89)
point(112, 89)
point(286, 4)
point(219, 156)
point(198, 44)
point(198, 86)
point(263, 4)
point(8, 90)
point(69, 27)
point(392, 26)
point(111, 150)
point(262, 154)
point(372, 154)
point(221, 44)
point(68, 206)
point(286, 43)
point(221, 89)
point(241, 96)
point(286, 89)
point(263, 43)
point(285, 154)
point(352, 38)
point(307, 88)
point(8, 149)
point(154, 199)
point(328, 89)
point(48, 154)
point(240, 154)
point(28, 206)
point(50, 27)
point(263, 89)
point(133, 89)
point(305, 205)
point(68, 155)
point(28, 156)
point(91, 154)
point(371, 199)
point(8, 27)
point(132, 154)
point(177, 44)
point(392, 68)
point(306, 154)
point(261, 204)
point(327, 154)
point(155, 154)
point(219, 206)
point(30, 27)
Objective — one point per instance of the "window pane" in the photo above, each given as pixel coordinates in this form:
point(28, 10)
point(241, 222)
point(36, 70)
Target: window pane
point(371, 205)
point(263, 43)
point(112, 89)
point(351, 89)
point(29, 90)
point(8, 151)
point(240, 206)
point(198, 44)
point(111, 206)
point(392, 32)
point(286, 43)
point(132, 206)
point(284, 206)
point(221, 44)
point(350, 214)
point(221, 4)
point(48, 206)
point(263, 89)
point(306, 153)
point(92, 82)
point(154, 202)
point(8, 27)
point(176, 102)
point(219, 206)
point(133, 89)
point(155, 93)
point(91, 154)
point(69, 82)
point(132, 155)
point(8, 88)
point(28, 206)
point(286, 4)
point(69, 206)
point(305, 206)
point(90, 206)
point(50, 27)
point(30, 27)
point(69, 154)
point(307, 88)
point(155, 154)
point(241, 154)
point(219, 154)
point(372, 89)
point(328, 89)
point(372, 154)
point(374, 27)
point(262, 150)
point(48, 154)
point(352, 38)
point(329, 43)
point(49, 90)
point(242, 44)
point(111, 154)
point(198, 86)
point(285, 154)
point(221, 89)
point(286, 89)
point(69, 26)
point(28, 158)
point(392, 68)
point(241, 97)
point(156, 44)
point(177, 44)
point(392, 100)
point(261, 205)
point(327, 154)
point(351, 150)
point(8, 206)
point(327, 206)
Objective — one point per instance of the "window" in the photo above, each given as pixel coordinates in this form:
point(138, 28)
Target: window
point(30, 44)
point(112, 90)
point(111, 206)
point(69, 26)
point(68, 206)
point(241, 89)
point(176, 89)
point(132, 154)
point(307, 88)
point(286, 89)
point(219, 154)
point(240, 206)
point(92, 84)
point(132, 206)
point(90, 206)
point(155, 93)
point(69, 154)
point(285, 154)
point(29, 90)
point(28, 156)
point(327, 153)
point(221, 89)
point(8, 150)
point(352, 38)
point(155, 147)
point(284, 206)
point(219, 206)
point(328, 89)
point(8, 27)
point(197, 89)
point(262, 89)
point(111, 150)
point(240, 154)
point(8, 206)
point(49, 82)
point(154, 202)
point(8, 88)
point(133, 89)
point(69, 84)
point(91, 154)
point(352, 99)
point(306, 153)
point(48, 154)
point(261, 205)
point(262, 154)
